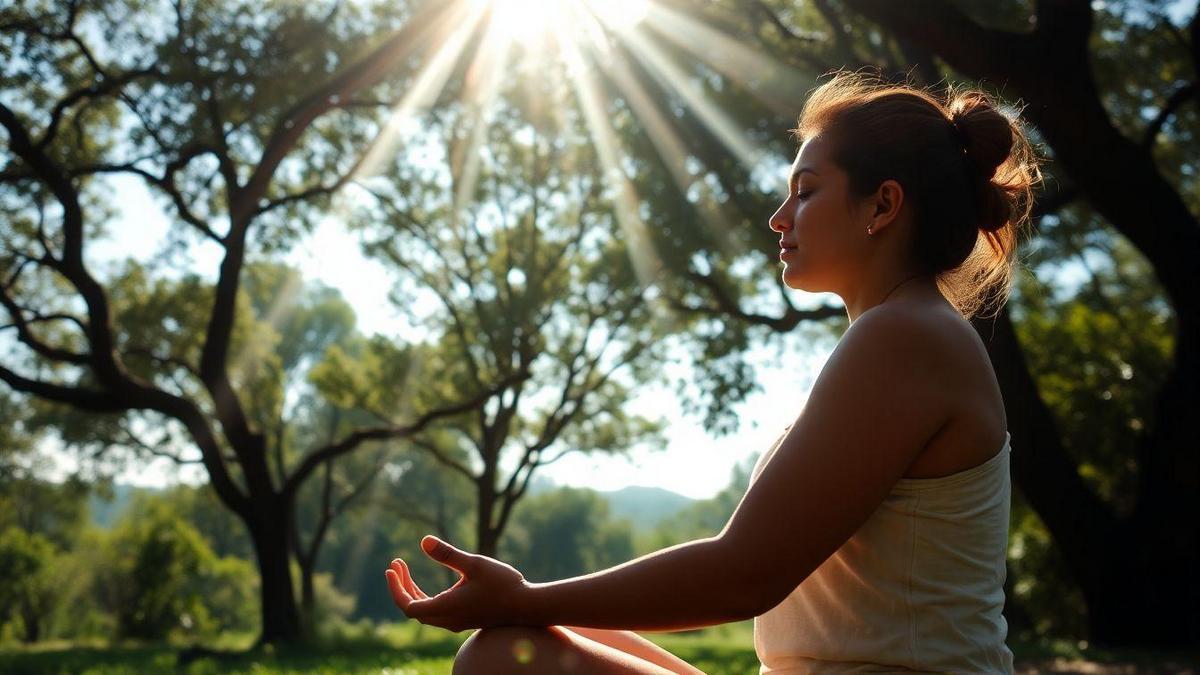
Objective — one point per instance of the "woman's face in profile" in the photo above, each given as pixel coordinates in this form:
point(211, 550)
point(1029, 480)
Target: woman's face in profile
point(820, 242)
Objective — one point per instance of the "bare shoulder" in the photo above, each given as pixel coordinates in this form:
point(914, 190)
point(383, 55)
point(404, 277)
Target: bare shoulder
point(950, 373)
point(918, 327)
point(909, 343)
point(926, 351)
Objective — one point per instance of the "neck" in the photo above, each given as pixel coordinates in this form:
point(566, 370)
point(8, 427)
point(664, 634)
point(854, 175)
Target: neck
point(883, 286)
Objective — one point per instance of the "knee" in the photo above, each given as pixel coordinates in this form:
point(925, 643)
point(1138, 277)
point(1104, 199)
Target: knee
point(506, 649)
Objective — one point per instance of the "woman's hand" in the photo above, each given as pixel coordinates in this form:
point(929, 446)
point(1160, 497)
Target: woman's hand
point(486, 594)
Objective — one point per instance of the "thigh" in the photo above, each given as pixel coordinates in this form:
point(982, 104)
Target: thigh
point(632, 643)
point(530, 651)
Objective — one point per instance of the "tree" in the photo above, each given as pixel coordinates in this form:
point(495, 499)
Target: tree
point(239, 117)
point(25, 563)
point(157, 575)
point(566, 533)
point(530, 276)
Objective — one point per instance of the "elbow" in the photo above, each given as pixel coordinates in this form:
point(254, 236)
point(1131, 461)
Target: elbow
point(754, 587)
point(762, 597)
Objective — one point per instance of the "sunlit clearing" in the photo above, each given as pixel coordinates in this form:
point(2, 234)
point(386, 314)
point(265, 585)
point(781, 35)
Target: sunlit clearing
point(530, 20)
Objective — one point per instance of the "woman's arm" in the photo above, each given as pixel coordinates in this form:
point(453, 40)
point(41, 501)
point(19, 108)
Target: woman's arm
point(690, 585)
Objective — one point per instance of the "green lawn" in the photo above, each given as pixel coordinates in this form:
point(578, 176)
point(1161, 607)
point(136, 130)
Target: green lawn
point(407, 649)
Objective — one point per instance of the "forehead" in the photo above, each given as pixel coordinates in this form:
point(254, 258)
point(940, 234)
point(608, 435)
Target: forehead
point(812, 154)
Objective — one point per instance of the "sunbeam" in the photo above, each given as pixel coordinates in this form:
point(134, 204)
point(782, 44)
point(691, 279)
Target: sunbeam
point(779, 86)
point(426, 89)
point(534, 21)
point(673, 77)
point(482, 84)
point(646, 263)
point(665, 140)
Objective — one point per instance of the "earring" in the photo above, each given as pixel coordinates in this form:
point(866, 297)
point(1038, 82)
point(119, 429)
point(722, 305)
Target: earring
point(870, 230)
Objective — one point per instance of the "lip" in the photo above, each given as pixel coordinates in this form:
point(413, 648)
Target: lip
point(784, 250)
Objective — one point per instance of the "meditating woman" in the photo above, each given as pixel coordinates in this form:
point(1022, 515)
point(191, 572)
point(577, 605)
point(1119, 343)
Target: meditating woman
point(872, 536)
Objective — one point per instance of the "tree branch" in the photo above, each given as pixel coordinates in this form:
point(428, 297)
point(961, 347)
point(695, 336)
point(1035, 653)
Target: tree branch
point(728, 307)
point(355, 439)
point(1181, 95)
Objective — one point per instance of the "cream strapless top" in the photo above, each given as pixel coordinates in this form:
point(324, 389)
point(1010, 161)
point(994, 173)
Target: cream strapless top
point(919, 587)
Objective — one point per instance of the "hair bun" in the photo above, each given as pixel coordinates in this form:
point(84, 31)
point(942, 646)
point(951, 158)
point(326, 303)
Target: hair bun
point(987, 134)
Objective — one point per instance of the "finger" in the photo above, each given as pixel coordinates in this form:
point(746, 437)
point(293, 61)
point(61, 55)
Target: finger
point(399, 596)
point(401, 571)
point(448, 555)
point(406, 580)
point(411, 584)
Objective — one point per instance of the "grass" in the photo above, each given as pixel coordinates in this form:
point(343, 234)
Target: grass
point(410, 649)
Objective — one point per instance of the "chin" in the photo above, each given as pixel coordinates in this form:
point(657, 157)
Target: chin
point(796, 280)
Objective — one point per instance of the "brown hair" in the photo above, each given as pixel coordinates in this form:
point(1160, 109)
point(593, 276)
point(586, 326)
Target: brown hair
point(965, 165)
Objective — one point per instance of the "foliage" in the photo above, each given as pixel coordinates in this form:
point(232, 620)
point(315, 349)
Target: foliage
point(157, 576)
point(25, 565)
point(566, 533)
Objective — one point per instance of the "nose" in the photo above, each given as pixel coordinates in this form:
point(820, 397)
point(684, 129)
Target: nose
point(781, 220)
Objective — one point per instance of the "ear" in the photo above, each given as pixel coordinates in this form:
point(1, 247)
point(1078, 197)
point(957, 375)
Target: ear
point(883, 208)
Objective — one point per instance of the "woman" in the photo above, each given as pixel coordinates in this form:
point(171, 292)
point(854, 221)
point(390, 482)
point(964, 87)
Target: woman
point(872, 536)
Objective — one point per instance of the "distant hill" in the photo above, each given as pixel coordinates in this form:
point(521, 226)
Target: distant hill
point(105, 512)
point(644, 506)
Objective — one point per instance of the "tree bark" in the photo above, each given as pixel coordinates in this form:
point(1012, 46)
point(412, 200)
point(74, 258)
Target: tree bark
point(269, 532)
point(33, 624)
point(1136, 575)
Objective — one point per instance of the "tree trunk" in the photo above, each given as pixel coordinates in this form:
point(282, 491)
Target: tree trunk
point(486, 536)
point(1137, 574)
point(33, 627)
point(485, 506)
point(269, 532)
point(308, 599)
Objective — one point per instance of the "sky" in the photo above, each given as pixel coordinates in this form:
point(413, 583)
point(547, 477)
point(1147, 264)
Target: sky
point(693, 463)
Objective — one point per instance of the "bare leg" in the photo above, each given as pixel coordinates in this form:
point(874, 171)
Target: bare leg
point(632, 643)
point(554, 649)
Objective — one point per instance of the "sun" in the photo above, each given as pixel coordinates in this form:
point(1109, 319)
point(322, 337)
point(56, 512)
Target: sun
point(524, 21)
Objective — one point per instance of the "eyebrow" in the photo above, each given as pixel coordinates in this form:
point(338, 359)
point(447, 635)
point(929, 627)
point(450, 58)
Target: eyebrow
point(795, 177)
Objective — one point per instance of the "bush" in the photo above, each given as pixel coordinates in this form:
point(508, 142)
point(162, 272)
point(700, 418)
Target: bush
point(159, 577)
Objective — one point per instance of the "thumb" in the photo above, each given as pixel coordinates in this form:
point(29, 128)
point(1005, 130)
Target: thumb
point(445, 553)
